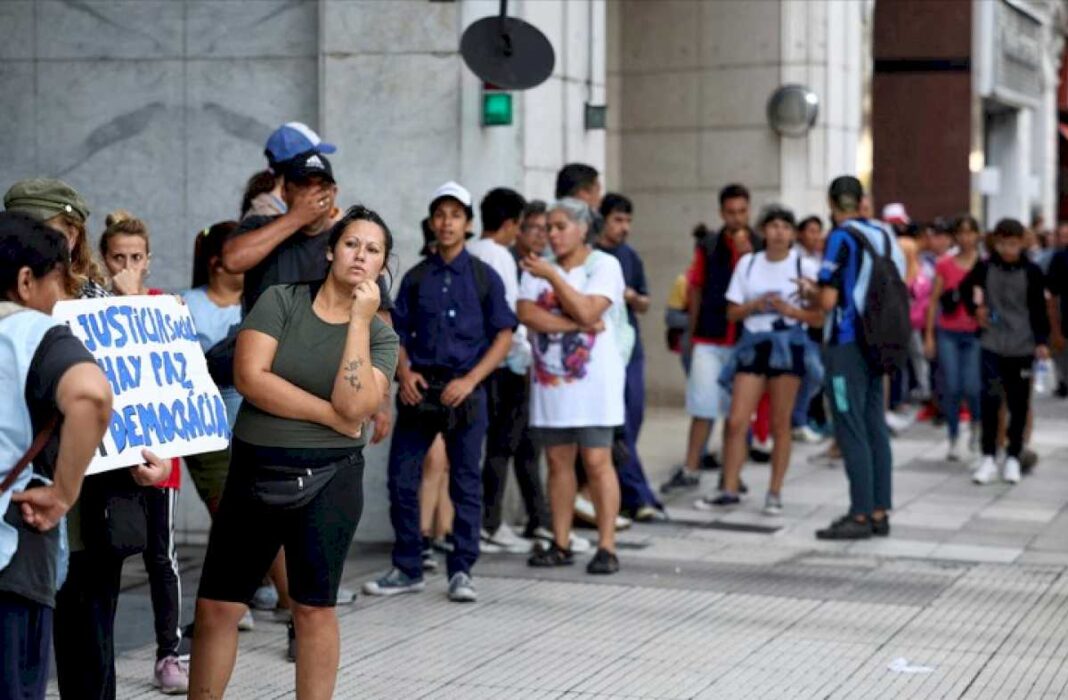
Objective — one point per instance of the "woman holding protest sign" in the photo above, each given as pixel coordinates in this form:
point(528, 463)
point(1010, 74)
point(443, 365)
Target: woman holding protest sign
point(296, 476)
point(125, 249)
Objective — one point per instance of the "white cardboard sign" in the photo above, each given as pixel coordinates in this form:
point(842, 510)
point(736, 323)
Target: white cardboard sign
point(164, 398)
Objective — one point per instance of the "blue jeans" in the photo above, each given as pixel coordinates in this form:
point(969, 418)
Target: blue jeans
point(958, 356)
point(810, 384)
point(634, 487)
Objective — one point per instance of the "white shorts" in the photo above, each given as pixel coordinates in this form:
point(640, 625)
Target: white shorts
point(705, 398)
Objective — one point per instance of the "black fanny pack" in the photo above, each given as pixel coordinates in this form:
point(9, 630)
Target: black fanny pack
point(432, 412)
point(287, 487)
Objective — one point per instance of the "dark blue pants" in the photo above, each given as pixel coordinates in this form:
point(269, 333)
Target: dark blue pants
point(463, 445)
point(25, 636)
point(633, 486)
point(856, 397)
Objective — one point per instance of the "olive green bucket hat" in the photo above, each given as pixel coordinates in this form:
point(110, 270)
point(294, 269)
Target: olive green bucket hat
point(43, 198)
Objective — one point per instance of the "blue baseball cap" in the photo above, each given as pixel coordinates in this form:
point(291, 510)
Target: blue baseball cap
point(293, 139)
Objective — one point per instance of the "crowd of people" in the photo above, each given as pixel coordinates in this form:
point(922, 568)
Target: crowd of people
point(518, 344)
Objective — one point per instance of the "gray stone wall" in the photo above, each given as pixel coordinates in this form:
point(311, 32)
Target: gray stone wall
point(156, 106)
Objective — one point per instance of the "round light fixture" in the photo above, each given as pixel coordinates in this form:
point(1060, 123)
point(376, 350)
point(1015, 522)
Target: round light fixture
point(792, 110)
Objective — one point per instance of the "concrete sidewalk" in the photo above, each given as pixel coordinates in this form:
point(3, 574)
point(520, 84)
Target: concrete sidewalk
point(967, 598)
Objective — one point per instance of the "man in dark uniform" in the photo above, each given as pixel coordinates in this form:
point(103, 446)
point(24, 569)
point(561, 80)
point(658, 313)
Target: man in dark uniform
point(455, 328)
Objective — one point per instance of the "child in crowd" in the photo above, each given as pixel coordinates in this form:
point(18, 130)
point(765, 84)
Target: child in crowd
point(1006, 294)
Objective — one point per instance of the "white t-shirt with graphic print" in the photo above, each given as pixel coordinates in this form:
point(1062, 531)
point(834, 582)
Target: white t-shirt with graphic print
point(754, 276)
point(578, 378)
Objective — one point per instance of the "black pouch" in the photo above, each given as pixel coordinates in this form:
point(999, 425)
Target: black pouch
point(114, 521)
point(288, 487)
point(950, 301)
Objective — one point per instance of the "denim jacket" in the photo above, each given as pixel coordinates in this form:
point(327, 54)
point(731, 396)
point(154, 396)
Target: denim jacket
point(782, 344)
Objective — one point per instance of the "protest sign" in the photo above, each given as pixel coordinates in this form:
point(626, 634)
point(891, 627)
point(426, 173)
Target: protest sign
point(164, 399)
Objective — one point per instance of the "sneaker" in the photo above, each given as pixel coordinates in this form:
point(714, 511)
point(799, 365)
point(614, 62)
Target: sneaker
point(443, 545)
point(682, 479)
point(881, 528)
point(987, 471)
point(897, 422)
point(603, 563)
point(772, 504)
point(1011, 471)
point(429, 561)
point(586, 513)
point(553, 556)
point(831, 457)
point(512, 543)
point(265, 598)
point(760, 451)
point(1028, 460)
point(709, 463)
point(722, 500)
point(171, 676)
point(461, 589)
point(650, 514)
point(807, 435)
point(291, 643)
point(742, 488)
point(246, 623)
point(845, 528)
point(345, 596)
point(953, 451)
point(486, 545)
point(544, 539)
point(394, 583)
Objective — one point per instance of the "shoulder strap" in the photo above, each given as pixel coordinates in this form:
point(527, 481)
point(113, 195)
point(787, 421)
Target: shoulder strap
point(39, 441)
point(482, 283)
point(797, 260)
point(749, 267)
point(862, 238)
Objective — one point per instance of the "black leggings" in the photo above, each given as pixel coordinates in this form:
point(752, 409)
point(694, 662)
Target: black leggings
point(161, 563)
point(1008, 378)
point(247, 534)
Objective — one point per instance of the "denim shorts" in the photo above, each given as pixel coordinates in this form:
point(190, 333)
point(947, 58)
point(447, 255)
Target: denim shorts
point(705, 398)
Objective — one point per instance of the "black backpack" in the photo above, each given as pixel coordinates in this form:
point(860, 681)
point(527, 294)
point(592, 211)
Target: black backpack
point(884, 325)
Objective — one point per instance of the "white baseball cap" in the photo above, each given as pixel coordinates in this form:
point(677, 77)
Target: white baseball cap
point(454, 190)
point(894, 213)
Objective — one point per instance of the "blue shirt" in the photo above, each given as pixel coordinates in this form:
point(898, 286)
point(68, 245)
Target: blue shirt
point(442, 323)
point(213, 323)
point(845, 269)
point(633, 277)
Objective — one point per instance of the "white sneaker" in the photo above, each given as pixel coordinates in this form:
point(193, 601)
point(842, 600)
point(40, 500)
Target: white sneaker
point(1011, 472)
point(897, 422)
point(486, 545)
point(953, 452)
point(246, 623)
point(508, 541)
point(585, 512)
point(987, 471)
point(543, 538)
point(807, 435)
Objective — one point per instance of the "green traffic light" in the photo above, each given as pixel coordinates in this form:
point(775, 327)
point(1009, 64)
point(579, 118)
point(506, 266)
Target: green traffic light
point(496, 109)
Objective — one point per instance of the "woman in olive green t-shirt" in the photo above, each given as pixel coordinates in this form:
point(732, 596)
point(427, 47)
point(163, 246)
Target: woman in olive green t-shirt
point(313, 362)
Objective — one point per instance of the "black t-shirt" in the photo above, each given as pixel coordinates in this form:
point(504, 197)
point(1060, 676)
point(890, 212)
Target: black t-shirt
point(32, 571)
point(299, 258)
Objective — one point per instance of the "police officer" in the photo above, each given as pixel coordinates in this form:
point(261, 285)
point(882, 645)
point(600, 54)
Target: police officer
point(455, 328)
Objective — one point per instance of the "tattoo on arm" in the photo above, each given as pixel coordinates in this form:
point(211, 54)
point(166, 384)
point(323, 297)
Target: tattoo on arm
point(352, 367)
